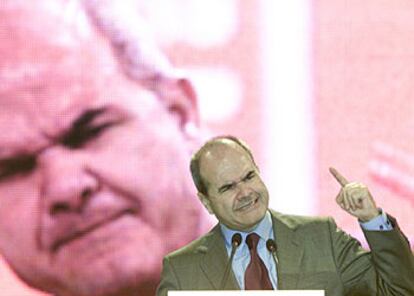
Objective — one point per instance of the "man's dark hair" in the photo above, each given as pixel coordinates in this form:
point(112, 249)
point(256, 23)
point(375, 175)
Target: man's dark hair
point(195, 159)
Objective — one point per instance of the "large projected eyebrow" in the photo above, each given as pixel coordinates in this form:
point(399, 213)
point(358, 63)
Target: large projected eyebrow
point(84, 127)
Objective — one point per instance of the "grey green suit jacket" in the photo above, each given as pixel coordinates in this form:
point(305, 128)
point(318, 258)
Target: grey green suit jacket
point(313, 254)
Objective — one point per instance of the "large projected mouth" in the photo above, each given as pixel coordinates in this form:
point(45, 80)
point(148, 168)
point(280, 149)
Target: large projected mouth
point(84, 230)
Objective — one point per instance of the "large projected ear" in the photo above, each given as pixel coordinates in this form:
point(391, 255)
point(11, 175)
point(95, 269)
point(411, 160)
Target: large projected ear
point(180, 99)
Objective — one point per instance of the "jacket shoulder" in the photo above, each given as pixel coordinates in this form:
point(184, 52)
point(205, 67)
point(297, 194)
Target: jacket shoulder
point(299, 221)
point(194, 248)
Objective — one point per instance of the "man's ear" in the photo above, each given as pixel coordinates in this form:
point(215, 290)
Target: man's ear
point(206, 202)
point(180, 99)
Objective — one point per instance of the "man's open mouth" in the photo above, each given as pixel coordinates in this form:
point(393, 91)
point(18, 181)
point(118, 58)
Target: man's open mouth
point(247, 205)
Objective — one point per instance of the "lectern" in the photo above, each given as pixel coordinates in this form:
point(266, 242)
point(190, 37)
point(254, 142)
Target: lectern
point(249, 293)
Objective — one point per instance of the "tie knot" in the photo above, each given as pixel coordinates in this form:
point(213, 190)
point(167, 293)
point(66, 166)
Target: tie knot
point(252, 240)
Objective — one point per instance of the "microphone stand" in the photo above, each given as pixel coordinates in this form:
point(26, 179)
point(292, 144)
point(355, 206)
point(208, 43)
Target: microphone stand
point(272, 248)
point(235, 243)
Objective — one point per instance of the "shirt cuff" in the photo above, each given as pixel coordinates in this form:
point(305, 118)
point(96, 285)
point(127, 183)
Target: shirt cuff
point(379, 223)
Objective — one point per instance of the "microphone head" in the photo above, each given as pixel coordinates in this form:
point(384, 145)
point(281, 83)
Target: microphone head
point(236, 239)
point(271, 245)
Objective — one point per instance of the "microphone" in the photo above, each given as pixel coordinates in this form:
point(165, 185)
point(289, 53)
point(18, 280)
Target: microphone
point(235, 243)
point(271, 246)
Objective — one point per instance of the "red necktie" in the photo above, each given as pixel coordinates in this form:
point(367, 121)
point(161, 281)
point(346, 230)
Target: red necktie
point(256, 276)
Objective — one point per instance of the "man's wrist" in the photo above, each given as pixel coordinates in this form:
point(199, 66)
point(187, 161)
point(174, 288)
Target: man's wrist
point(370, 216)
point(378, 223)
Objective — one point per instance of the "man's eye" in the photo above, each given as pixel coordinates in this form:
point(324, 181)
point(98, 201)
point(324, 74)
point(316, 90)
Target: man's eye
point(226, 188)
point(79, 136)
point(17, 166)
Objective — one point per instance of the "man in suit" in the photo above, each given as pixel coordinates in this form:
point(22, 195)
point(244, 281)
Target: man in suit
point(309, 253)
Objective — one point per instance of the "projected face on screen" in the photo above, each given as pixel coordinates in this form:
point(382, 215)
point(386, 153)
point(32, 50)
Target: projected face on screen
point(94, 181)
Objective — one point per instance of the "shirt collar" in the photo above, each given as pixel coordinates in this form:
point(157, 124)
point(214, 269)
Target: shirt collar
point(264, 229)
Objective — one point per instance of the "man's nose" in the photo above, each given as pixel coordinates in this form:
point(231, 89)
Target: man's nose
point(67, 184)
point(243, 191)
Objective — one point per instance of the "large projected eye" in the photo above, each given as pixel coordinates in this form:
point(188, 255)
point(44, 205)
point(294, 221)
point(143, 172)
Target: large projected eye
point(78, 137)
point(88, 127)
point(18, 165)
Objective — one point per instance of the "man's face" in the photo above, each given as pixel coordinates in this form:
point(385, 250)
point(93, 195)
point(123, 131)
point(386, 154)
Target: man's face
point(236, 194)
point(94, 186)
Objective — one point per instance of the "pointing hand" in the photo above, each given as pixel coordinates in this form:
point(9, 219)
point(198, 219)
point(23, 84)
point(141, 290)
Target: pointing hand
point(355, 198)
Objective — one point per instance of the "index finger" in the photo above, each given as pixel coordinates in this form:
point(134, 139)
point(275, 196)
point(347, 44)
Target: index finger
point(341, 179)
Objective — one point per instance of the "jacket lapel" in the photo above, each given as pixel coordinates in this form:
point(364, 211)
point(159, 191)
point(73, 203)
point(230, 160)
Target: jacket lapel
point(289, 252)
point(215, 259)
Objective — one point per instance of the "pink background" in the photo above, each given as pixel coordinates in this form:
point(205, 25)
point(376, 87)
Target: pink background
point(308, 85)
